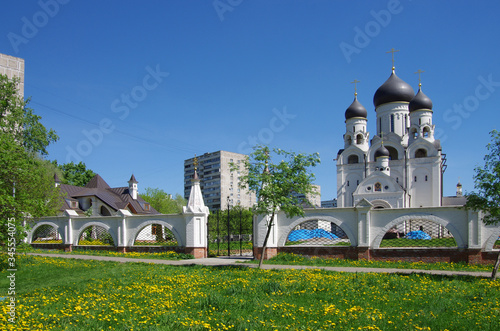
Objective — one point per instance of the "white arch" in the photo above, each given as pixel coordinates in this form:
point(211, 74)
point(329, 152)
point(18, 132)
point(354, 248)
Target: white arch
point(319, 217)
point(490, 242)
point(380, 203)
point(52, 224)
point(461, 243)
point(138, 229)
point(109, 229)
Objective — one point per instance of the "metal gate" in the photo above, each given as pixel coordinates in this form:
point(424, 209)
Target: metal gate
point(230, 232)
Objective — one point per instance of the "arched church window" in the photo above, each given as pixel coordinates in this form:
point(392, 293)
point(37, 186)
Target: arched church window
point(414, 133)
point(392, 123)
point(352, 159)
point(393, 153)
point(349, 140)
point(426, 132)
point(359, 139)
point(425, 177)
point(420, 153)
point(378, 187)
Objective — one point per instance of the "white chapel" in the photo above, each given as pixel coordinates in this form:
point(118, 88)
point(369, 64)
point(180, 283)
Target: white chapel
point(402, 165)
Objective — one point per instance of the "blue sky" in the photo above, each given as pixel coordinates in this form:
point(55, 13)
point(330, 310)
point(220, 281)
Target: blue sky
point(139, 86)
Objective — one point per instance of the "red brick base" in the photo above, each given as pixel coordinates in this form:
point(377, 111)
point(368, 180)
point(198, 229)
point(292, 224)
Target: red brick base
point(197, 252)
point(270, 252)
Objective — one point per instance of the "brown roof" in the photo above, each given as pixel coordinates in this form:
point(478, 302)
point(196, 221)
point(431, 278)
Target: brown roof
point(115, 198)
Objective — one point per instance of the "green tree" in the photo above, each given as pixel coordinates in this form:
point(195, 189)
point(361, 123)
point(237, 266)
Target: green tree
point(75, 174)
point(27, 189)
point(163, 202)
point(278, 185)
point(487, 184)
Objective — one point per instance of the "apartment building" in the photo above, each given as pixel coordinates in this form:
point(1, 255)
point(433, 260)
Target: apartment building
point(13, 67)
point(219, 186)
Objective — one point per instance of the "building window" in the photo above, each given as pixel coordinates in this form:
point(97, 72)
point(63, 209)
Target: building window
point(352, 159)
point(347, 183)
point(392, 123)
point(146, 206)
point(420, 153)
point(415, 179)
point(425, 178)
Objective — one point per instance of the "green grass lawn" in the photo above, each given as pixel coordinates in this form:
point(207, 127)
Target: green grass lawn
point(67, 294)
point(295, 259)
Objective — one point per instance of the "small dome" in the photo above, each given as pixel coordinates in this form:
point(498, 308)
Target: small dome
point(394, 89)
point(381, 151)
point(420, 101)
point(356, 109)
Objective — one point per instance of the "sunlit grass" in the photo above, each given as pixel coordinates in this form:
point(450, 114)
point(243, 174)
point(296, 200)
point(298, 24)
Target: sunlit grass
point(168, 255)
point(67, 294)
point(296, 259)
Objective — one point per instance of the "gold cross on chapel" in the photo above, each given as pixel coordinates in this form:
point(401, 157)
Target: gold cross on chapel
point(393, 51)
point(195, 163)
point(355, 87)
point(419, 78)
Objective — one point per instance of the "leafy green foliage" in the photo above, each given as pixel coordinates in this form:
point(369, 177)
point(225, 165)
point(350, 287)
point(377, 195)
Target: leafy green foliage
point(278, 186)
point(27, 189)
point(487, 183)
point(75, 174)
point(163, 202)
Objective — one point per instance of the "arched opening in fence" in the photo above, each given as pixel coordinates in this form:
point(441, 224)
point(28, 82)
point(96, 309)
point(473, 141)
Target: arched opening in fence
point(46, 234)
point(95, 235)
point(155, 235)
point(317, 233)
point(418, 233)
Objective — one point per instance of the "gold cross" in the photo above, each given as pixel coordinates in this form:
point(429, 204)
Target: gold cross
point(393, 51)
point(419, 78)
point(195, 163)
point(355, 87)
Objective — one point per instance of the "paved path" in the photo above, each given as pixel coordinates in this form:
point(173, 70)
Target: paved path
point(229, 261)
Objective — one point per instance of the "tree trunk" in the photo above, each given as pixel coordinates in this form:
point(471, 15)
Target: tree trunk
point(495, 268)
point(269, 226)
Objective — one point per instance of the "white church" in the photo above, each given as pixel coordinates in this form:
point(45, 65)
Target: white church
point(402, 166)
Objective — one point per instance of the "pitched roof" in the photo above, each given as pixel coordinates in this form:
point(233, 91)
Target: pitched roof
point(115, 198)
point(97, 182)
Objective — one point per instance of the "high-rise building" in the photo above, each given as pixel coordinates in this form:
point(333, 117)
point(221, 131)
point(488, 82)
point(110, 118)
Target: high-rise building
point(219, 185)
point(13, 67)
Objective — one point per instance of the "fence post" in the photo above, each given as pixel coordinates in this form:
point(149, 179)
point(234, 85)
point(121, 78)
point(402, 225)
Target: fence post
point(68, 230)
point(122, 230)
point(260, 225)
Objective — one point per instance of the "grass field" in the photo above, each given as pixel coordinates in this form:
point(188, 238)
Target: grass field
point(66, 294)
point(295, 259)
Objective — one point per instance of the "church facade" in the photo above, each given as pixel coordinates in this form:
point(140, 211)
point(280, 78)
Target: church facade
point(402, 165)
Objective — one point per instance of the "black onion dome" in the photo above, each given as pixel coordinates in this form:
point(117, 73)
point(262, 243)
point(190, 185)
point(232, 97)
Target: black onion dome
point(420, 101)
point(356, 109)
point(381, 151)
point(394, 89)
